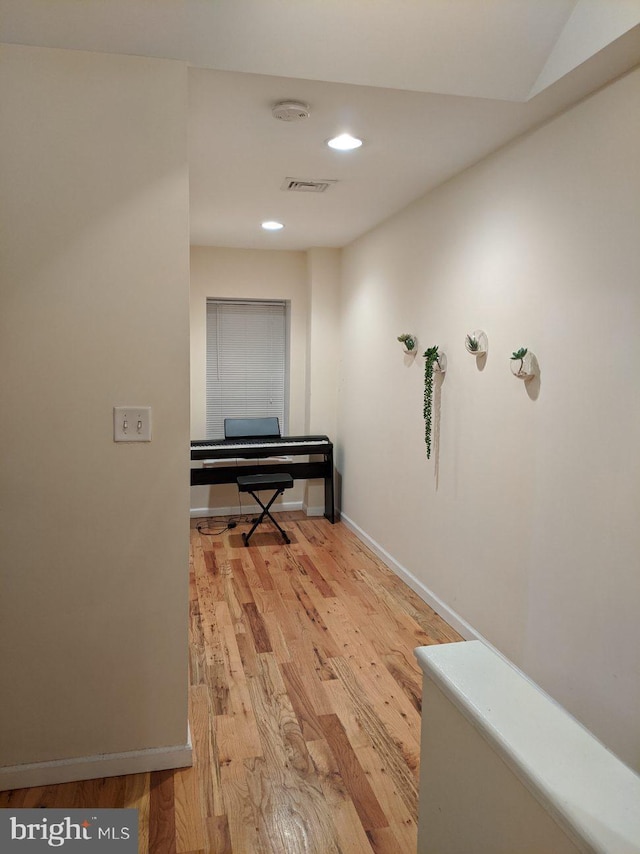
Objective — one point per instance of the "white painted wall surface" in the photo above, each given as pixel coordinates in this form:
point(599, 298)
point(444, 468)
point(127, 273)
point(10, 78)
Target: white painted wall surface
point(525, 523)
point(246, 274)
point(323, 353)
point(94, 312)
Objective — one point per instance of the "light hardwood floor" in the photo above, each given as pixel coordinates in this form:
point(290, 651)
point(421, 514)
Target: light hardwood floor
point(304, 704)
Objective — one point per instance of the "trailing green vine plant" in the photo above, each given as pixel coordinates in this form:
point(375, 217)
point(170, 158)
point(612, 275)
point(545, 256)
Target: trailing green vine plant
point(431, 357)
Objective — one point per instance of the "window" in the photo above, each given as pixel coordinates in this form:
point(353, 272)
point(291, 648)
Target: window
point(247, 350)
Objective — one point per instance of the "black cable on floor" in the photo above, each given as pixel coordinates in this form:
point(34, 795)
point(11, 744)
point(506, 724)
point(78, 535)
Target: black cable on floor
point(227, 525)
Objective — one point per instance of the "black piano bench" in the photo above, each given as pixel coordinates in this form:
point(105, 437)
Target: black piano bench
point(252, 483)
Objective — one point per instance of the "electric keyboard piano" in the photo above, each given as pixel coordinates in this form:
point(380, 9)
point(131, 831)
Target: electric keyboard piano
point(263, 448)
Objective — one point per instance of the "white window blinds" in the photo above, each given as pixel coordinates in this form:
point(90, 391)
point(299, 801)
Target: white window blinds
point(246, 362)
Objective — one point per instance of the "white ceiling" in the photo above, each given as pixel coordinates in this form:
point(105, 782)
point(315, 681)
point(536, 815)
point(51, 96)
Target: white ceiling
point(431, 85)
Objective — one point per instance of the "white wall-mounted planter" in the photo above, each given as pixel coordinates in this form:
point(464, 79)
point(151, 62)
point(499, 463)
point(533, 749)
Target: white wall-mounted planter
point(410, 351)
point(481, 338)
point(440, 364)
point(525, 368)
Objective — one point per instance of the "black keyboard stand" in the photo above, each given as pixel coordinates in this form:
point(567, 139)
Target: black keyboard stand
point(228, 453)
point(253, 483)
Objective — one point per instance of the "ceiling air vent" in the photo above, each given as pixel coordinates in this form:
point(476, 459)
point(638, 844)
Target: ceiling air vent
point(302, 185)
point(290, 111)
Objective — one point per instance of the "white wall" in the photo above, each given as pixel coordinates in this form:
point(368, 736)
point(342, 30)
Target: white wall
point(323, 275)
point(246, 274)
point(310, 282)
point(525, 522)
point(94, 313)
point(323, 349)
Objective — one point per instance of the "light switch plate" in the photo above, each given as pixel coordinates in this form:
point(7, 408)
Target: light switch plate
point(131, 423)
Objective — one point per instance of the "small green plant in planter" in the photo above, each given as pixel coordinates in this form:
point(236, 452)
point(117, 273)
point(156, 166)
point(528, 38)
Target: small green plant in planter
point(473, 345)
point(408, 340)
point(431, 357)
point(519, 354)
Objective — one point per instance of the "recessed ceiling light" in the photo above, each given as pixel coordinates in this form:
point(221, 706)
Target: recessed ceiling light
point(272, 225)
point(344, 142)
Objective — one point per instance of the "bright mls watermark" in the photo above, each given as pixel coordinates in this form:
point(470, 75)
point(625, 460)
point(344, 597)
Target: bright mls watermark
point(37, 830)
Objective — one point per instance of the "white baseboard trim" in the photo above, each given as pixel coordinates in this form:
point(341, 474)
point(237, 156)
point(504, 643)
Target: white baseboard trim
point(313, 511)
point(448, 614)
point(92, 767)
point(236, 510)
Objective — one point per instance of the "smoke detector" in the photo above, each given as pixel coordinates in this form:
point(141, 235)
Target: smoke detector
point(290, 111)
